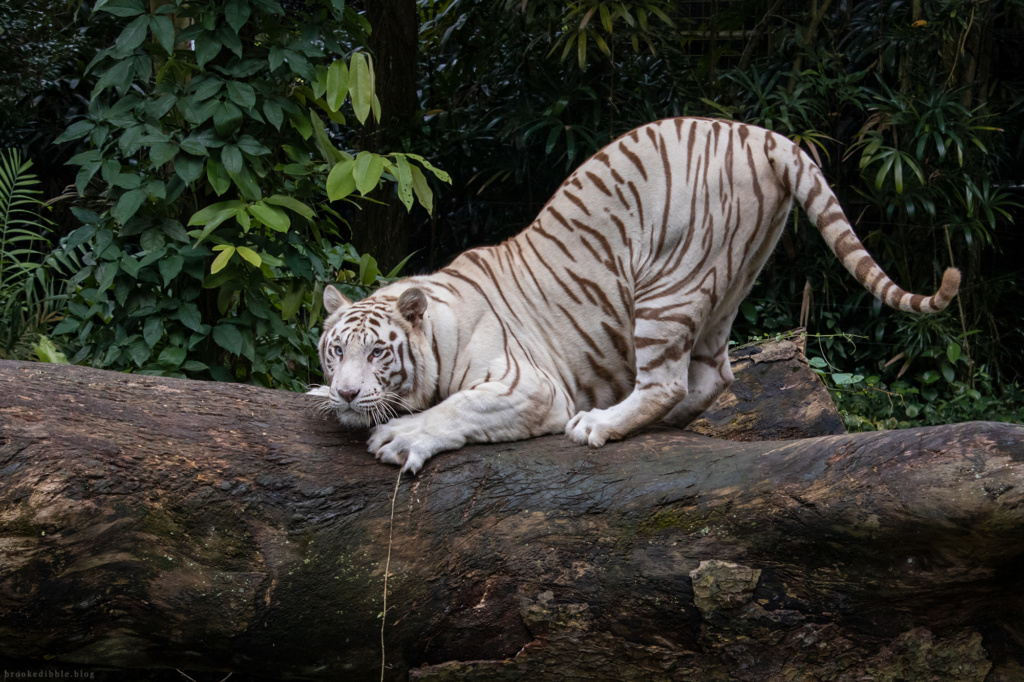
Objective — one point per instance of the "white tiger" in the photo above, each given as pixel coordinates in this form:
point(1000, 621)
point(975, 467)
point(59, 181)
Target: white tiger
point(611, 311)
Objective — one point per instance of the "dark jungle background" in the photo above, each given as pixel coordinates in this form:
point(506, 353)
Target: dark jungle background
point(180, 179)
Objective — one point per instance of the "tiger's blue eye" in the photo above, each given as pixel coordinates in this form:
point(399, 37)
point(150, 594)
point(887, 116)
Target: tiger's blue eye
point(337, 351)
point(377, 352)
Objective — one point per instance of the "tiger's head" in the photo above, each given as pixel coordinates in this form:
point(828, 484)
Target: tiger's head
point(370, 354)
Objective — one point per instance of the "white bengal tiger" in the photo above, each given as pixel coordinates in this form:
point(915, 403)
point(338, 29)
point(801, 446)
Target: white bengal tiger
point(611, 311)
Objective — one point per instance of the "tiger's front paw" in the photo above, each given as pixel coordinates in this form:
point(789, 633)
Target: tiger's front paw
point(408, 443)
point(591, 428)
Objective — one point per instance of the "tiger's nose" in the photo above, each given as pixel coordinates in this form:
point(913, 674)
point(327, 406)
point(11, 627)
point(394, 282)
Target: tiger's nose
point(348, 395)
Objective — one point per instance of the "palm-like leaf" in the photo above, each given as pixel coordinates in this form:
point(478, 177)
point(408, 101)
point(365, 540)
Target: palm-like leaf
point(21, 226)
point(27, 306)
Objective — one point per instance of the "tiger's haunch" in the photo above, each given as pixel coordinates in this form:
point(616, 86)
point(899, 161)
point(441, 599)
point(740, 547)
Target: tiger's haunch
point(611, 311)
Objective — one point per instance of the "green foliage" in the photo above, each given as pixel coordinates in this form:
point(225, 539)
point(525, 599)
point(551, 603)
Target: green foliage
point(577, 28)
point(916, 121)
point(38, 46)
point(929, 397)
point(227, 119)
point(26, 301)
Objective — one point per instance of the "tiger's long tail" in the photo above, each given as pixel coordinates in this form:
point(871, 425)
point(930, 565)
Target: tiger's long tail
point(802, 177)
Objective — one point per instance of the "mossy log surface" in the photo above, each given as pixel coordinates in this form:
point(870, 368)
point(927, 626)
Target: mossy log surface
point(150, 523)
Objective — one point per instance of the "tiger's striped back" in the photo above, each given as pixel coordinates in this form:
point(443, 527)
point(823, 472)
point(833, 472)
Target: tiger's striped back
point(612, 310)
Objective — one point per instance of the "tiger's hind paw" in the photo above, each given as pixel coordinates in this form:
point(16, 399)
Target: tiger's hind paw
point(590, 428)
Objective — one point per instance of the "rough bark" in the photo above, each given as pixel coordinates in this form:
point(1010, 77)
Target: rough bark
point(381, 227)
point(149, 522)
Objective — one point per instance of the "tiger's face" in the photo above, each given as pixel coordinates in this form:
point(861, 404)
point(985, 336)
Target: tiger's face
point(366, 356)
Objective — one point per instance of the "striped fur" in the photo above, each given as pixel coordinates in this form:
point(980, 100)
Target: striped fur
point(611, 311)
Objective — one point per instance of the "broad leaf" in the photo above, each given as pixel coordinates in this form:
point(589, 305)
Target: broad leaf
point(405, 192)
point(226, 252)
point(128, 204)
point(249, 255)
point(272, 217)
point(231, 157)
point(337, 84)
point(361, 85)
point(217, 176)
point(367, 171)
point(422, 189)
point(163, 31)
point(226, 118)
point(241, 94)
point(188, 168)
point(133, 35)
point(340, 182)
point(228, 337)
point(291, 203)
point(237, 13)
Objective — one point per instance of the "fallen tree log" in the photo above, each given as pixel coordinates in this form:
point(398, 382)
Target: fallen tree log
point(159, 523)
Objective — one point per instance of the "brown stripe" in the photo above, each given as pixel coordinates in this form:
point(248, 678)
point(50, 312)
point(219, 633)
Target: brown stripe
point(448, 287)
point(634, 158)
point(599, 183)
point(590, 247)
point(600, 370)
point(559, 217)
point(576, 200)
point(617, 339)
point(915, 301)
point(486, 267)
point(883, 295)
point(645, 341)
point(622, 228)
point(622, 197)
point(729, 160)
point(801, 165)
point(639, 204)
point(756, 186)
point(846, 244)
point(786, 185)
point(658, 315)
point(515, 382)
point(691, 142)
point(544, 233)
point(586, 285)
point(827, 219)
point(579, 330)
point(670, 354)
point(864, 267)
point(814, 191)
point(543, 262)
point(526, 264)
point(708, 360)
point(653, 135)
point(872, 286)
point(668, 201)
point(462, 381)
point(609, 252)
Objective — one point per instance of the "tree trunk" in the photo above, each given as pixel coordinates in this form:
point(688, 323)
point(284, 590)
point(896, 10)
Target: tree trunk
point(381, 228)
point(161, 523)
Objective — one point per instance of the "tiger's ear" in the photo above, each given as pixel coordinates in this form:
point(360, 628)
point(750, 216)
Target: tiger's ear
point(334, 299)
point(412, 304)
